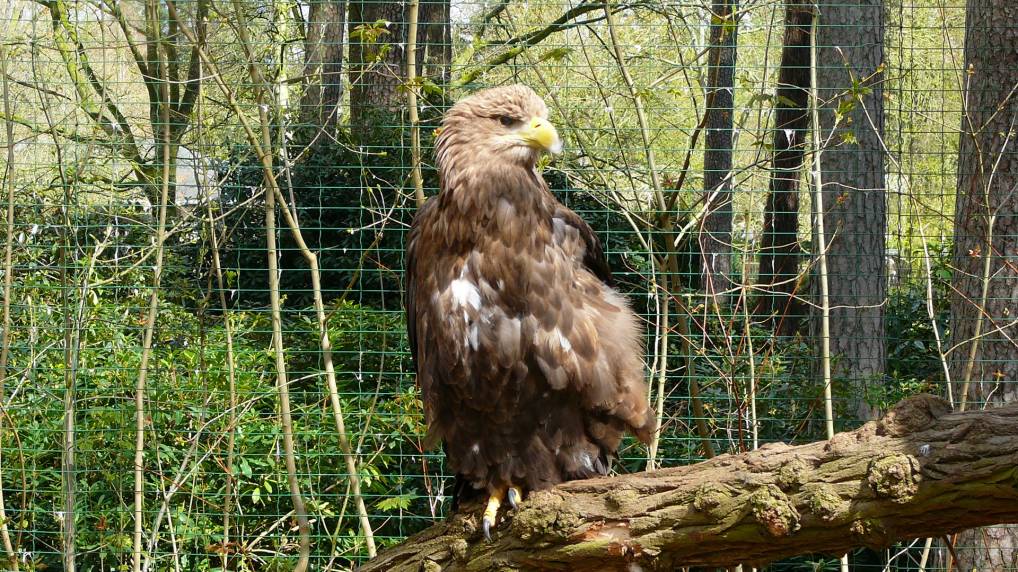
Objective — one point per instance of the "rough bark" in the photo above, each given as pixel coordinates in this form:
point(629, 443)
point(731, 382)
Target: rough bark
point(921, 471)
point(716, 238)
point(780, 253)
point(850, 40)
point(987, 181)
point(376, 67)
point(434, 53)
point(323, 64)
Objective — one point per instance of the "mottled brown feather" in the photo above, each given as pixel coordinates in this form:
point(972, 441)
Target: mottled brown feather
point(529, 363)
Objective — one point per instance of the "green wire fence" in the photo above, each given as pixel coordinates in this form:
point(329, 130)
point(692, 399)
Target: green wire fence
point(195, 190)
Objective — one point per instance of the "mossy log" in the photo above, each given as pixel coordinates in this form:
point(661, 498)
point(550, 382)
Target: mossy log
point(920, 471)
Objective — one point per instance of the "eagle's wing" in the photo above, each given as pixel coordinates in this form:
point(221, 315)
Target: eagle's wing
point(590, 339)
point(410, 276)
point(593, 256)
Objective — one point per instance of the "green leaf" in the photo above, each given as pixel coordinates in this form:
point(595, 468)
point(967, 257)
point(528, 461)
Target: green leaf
point(557, 54)
point(845, 106)
point(401, 502)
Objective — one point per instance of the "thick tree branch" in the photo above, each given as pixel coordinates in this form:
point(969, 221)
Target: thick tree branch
point(921, 471)
point(84, 76)
point(182, 108)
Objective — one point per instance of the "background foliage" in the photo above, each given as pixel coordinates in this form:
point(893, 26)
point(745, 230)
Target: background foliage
point(99, 94)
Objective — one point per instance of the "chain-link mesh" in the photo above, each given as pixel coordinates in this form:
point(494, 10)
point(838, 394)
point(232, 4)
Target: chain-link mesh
point(193, 187)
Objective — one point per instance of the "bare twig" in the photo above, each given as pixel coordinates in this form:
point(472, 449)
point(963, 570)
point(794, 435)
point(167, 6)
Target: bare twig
point(521, 44)
point(231, 373)
point(668, 263)
point(281, 382)
point(988, 256)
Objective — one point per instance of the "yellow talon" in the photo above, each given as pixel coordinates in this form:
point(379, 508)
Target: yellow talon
point(491, 511)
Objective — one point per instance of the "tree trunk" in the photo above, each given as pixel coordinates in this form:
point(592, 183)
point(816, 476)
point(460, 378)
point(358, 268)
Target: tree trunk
point(376, 67)
point(921, 471)
point(984, 364)
point(434, 51)
point(323, 64)
point(850, 61)
point(716, 237)
point(780, 253)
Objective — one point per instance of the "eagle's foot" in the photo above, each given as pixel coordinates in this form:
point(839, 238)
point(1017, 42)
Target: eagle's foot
point(513, 494)
point(491, 511)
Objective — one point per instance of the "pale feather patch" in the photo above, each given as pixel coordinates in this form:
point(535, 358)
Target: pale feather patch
point(585, 460)
point(465, 292)
point(473, 336)
point(563, 341)
point(558, 228)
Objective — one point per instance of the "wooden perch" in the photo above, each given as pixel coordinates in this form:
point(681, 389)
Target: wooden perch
point(920, 471)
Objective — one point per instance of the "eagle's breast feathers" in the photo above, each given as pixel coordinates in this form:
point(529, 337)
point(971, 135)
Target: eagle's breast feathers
point(529, 363)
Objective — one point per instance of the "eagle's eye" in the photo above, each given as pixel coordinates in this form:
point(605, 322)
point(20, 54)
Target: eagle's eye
point(506, 121)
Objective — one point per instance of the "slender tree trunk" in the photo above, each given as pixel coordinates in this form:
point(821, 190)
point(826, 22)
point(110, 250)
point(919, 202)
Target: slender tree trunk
point(780, 252)
point(323, 64)
point(168, 154)
point(434, 54)
point(376, 66)
point(8, 294)
point(984, 365)
point(716, 238)
point(851, 43)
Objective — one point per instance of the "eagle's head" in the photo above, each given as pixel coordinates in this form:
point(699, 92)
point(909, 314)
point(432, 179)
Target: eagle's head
point(500, 125)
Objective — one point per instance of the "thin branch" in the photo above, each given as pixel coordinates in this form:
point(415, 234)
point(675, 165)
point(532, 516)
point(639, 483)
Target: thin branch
point(522, 43)
point(86, 81)
point(669, 263)
point(818, 199)
point(411, 94)
point(991, 220)
point(260, 147)
point(185, 105)
point(51, 131)
point(286, 419)
point(5, 341)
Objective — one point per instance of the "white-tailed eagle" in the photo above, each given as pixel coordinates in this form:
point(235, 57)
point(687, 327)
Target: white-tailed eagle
point(529, 363)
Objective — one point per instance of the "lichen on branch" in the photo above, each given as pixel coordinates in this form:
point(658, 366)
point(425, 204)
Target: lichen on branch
point(920, 471)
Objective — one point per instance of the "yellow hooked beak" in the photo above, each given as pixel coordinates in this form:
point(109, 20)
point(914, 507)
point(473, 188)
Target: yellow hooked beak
point(540, 134)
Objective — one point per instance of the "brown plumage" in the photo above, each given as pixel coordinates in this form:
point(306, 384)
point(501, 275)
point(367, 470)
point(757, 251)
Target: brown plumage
point(529, 363)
